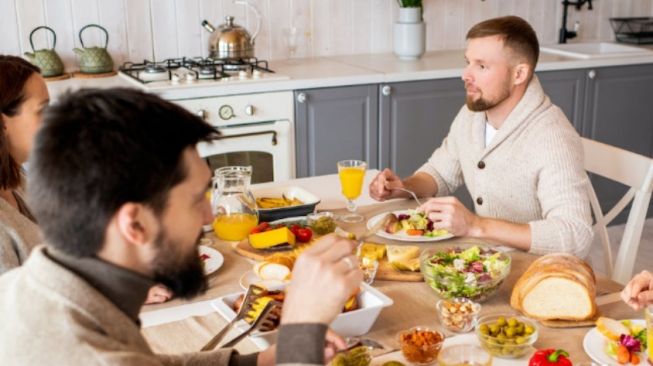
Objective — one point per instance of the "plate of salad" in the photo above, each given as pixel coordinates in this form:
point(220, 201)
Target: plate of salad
point(605, 347)
point(474, 272)
point(409, 225)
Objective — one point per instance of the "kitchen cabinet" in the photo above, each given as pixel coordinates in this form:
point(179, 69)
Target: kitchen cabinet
point(566, 88)
point(415, 117)
point(333, 124)
point(619, 111)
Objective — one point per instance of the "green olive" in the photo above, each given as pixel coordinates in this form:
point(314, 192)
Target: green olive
point(528, 330)
point(393, 363)
point(512, 322)
point(520, 340)
point(484, 329)
point(501, 321)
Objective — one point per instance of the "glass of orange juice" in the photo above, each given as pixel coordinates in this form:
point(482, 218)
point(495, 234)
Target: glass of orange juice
point(649, 333)
point(351, 173)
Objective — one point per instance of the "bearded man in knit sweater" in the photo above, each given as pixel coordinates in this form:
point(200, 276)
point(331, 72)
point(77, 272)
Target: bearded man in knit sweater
point(517, 153)
point(118, 189)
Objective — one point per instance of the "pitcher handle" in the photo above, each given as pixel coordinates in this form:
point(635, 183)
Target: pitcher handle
point(54, 36)
point(256, 12)
point(81, 41)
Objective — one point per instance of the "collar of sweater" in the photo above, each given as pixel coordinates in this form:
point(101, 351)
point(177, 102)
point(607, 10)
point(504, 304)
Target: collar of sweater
point(126, 289)
point(532, 103)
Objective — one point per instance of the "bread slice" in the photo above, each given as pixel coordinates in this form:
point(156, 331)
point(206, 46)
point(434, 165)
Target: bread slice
point(556, 286)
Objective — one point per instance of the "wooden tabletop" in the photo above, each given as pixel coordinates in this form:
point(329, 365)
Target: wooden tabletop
point(414, 302)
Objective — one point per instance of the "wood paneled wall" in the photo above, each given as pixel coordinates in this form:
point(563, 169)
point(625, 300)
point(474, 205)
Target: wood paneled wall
point(158, 29)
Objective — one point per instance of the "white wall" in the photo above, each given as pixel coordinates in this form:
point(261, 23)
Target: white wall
point(158, 29)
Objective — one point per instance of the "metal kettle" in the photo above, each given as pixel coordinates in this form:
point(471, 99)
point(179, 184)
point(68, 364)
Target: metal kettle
point(46, 59)
point(94, 60)
point(230, 41)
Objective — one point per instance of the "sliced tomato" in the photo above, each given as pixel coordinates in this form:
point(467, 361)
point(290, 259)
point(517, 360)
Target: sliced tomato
point(304, 235)
point(414, 232)
point(264, 226)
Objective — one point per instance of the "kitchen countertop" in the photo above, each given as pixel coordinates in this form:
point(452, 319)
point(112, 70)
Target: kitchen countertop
point(349, 70)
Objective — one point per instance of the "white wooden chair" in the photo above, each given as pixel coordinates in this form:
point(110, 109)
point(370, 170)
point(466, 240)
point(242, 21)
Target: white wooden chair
point(634, 171)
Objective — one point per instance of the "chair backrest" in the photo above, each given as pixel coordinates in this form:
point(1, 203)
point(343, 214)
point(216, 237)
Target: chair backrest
point(634, 171)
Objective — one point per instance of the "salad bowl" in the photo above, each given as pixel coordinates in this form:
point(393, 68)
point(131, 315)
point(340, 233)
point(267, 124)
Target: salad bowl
point(473, 272)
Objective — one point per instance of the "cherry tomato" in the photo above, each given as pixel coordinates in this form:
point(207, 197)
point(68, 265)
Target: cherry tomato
point(304, 235)
point(294, 228)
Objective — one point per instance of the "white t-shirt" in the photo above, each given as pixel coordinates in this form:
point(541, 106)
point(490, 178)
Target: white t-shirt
point(489, 133)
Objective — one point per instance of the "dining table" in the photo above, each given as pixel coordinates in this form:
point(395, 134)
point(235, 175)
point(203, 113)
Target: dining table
point(185, 325)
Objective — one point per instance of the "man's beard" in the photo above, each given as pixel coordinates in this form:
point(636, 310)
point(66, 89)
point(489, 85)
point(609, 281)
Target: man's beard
point(482, 104)
point(183, 276)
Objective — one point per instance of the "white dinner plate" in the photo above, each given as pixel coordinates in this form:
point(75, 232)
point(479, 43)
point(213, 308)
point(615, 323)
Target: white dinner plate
point(594, 345)
point(402, 236)
point(213, 262)
point(469, 338)
point(249, 278)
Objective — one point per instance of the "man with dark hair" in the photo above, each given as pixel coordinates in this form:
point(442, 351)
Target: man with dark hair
point(118, 189)
point(518, 155)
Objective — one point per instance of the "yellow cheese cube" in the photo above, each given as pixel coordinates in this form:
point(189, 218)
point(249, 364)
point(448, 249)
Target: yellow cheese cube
point(271, 238)
point(372, 251)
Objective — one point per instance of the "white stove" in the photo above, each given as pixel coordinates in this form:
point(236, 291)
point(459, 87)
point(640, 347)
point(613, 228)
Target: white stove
point(197, 72)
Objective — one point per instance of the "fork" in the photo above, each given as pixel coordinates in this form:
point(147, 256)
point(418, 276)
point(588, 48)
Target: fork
point(353, 342)
point(409, 192)
point(253, 292)
point(265, 321)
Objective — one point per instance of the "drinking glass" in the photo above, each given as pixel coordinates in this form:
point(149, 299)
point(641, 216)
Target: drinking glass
point(649, 333)
point(464, 355)
point(369, 266)
point(351, 173)
point(291, 38)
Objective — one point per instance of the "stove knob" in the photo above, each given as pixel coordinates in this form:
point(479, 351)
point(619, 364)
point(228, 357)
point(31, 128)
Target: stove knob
point(202, 114)
point(174, 79)
point(249, 110)
point(242, 74)
point(256, 74)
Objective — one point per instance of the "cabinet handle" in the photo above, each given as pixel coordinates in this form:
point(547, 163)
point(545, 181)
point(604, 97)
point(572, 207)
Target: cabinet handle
point(591, 74)
point(249, 110)
point(301, 97)
point(386, 90)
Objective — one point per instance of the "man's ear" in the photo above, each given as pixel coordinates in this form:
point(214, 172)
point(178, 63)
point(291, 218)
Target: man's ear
point(137, 223)
point(521, 73)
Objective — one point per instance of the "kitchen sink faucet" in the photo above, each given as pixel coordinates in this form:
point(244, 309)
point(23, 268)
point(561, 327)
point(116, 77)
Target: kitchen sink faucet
point(564, 33)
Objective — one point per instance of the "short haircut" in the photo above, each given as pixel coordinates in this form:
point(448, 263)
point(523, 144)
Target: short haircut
point(517, 35)
point(14, 73)
point(99, 149)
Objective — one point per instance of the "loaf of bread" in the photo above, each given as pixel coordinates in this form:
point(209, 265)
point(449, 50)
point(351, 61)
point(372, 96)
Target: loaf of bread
point(556, 286)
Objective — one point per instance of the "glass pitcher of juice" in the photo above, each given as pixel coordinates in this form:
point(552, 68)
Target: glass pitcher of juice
point(233, 204)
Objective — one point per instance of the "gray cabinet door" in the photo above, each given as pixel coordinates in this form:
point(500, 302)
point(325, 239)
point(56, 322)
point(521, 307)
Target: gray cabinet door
point(415, 118)
point(566, 89)
point(335, 124)
point(618, 112)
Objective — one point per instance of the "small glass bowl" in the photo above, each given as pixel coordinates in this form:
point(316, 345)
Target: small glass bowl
point(464, 354)
point(321, 223)
point(421, 345)
point(369, 267)
point(458, 315)
point(501, 346)
point(359, 356)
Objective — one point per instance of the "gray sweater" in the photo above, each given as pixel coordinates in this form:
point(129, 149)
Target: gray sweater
point(532, 172)
point(18, 235)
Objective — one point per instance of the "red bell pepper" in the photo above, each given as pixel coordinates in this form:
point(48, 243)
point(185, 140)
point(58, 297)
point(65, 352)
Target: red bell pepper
point(550, 357)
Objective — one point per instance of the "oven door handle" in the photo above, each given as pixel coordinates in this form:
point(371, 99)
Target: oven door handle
point(274, 135)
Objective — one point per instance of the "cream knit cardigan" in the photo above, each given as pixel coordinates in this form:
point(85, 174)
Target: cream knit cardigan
point(533, 172)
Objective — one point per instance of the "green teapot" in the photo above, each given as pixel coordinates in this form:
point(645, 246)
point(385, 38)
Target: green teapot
point(94, 60)
point(46, 59)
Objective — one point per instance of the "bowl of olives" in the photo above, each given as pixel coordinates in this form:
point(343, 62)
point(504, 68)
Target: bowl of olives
point(506, 336)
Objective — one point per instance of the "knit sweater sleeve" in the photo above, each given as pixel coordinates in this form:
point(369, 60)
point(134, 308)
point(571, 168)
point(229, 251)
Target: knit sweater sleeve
point(562, 189)
point(444, 164)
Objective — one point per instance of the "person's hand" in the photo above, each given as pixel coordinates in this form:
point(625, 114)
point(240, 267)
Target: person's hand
point(158, 294)
point(323, 278)
point(333, 343)
point(638, 293)
point(382, 186)
point(448, 213)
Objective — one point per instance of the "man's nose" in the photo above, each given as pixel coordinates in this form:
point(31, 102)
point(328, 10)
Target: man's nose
point(466, 76)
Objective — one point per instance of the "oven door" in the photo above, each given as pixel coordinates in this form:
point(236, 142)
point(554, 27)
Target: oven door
point(267, 146)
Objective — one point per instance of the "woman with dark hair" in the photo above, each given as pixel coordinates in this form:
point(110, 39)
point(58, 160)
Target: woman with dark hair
point(23, 96)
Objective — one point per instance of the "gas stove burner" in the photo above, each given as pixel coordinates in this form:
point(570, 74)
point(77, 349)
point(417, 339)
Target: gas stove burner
point(207, 70)
point(154, 69)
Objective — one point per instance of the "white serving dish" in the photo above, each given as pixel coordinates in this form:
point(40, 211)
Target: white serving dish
point(291, 192)
point(352, 323)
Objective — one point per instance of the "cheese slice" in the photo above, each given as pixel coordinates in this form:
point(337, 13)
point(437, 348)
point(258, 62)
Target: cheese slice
point(399, 253)
point(372, 251)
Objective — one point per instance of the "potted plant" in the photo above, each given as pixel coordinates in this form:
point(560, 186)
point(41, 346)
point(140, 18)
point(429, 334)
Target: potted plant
point(409, 30)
